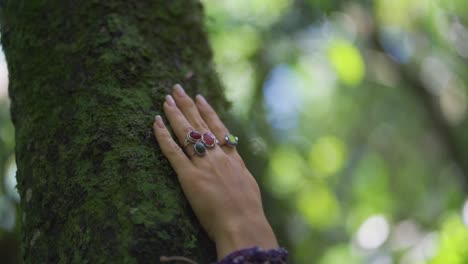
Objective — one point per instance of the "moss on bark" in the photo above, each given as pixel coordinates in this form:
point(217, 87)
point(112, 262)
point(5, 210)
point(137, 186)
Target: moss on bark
point(86, 79)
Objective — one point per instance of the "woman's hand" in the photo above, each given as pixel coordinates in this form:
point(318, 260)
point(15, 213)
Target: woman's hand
point(222, 192)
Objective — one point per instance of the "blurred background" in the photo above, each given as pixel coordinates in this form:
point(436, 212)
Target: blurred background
point(352, 115)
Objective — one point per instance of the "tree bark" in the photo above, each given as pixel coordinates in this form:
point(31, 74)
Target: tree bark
point(86, 79)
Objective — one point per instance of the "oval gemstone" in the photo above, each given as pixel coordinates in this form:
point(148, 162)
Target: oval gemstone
point(195, 135)
point(199, 148)
point(231, 139)
point(209, 139)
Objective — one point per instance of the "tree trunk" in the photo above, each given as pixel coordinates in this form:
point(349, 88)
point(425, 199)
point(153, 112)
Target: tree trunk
point(86, 79)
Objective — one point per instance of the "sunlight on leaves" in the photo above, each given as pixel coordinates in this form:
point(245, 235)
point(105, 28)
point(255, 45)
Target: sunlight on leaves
point(3, 76)
point(371, 183)
point(465, 213)
point(402, 13)
point(454, 6)
point(319, 207)
point(373, 232)
point(453, 247)
point(261, 13)
point(287, 171)
point(318, 79)
point(370, 189)
point(347, 61)
point(233, 49)
point(327, 155)
point(9, 181)
point(238, 79)
point(235, 44)
point(339, 254)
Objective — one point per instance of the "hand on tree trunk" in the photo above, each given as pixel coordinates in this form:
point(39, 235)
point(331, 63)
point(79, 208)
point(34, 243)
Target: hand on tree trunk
point(222, 192)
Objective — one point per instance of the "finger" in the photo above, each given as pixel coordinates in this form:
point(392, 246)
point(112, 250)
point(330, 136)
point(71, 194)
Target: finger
point(179, 123)
point(176, 156)
point(188, 108)
point(211, 118)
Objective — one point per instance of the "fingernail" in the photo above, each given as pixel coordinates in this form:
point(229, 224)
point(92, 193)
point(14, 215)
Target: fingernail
point(200, 99)
point(159, 121)
point(179, 90)
point(170, 100)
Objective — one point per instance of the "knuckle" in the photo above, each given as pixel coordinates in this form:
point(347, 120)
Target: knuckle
point(187, 129)
point(208, 111)
point(163, 137)
point(197, 177)
point(200, 124)
point(174, 149)
point(202, 108)
point(205, 167)
point(178, 114)
point(237, 158)
point(219, 127)
point(192, 173)
point(212, 114)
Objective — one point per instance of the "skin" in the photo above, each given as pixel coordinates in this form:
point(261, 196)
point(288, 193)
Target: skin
point(222, 192)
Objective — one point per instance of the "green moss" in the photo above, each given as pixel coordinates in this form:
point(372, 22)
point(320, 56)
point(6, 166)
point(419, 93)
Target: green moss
point(86, 81)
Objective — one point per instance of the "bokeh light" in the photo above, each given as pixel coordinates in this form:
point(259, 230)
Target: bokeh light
point(347, 62)
point(3, 76)
point(424, 250)
point(373, 232)
point(327, 156)
point(10, 180)
point(282, 98)
point(288, 171)
point(358, 111)
point(465, 213)
point(405, 235)
point(319, 207)
point(338, 255)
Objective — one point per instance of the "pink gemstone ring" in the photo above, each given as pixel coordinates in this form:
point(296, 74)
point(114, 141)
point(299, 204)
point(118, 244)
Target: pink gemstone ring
point(193, 136)
point(209, 140)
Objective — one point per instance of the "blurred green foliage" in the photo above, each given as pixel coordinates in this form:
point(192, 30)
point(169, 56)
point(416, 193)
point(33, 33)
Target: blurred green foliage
point(360, 111)
point(356, 117)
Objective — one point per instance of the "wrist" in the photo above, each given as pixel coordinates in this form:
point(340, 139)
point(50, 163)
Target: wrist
point(239, 234)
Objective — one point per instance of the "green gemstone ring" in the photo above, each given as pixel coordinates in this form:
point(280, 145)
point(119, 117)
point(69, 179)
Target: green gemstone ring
point(199, 148)
point(231, 140)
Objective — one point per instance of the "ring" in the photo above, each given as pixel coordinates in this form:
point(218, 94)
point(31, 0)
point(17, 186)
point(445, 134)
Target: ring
point(231, 140)
point(209, 140)
point(199, 149)
point(200, 142)
point(192, 137)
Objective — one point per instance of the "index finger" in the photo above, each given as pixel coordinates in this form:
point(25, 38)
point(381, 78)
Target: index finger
point(176, 156)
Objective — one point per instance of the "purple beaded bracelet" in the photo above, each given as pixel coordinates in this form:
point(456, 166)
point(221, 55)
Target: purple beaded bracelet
point(256, 255)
